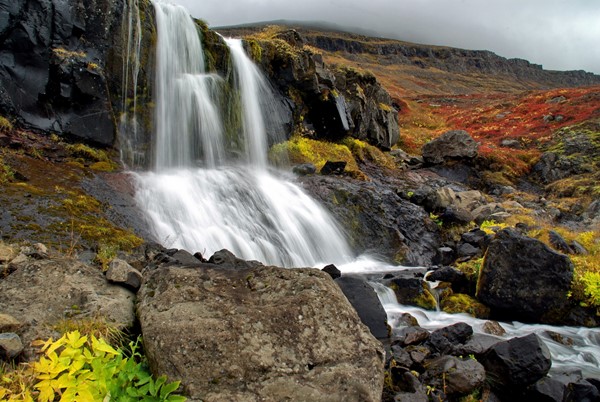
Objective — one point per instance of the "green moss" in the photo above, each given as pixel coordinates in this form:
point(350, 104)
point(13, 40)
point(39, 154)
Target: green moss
point(365, 152)
point(462, 303)
point(104, 166)
point(5, 125)
point(426, 299)
point(304, 150)
point(87, 153)
point(6, 172)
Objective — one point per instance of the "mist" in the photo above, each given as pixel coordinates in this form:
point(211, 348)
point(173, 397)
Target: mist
point(558, 34)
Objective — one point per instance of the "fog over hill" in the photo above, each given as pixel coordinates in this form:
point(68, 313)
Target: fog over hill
point(557, 34)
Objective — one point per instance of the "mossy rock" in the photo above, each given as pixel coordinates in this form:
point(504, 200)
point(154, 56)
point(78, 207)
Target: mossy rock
point(462, 303)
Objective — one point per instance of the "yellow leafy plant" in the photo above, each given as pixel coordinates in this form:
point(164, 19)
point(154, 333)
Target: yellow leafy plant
point(82, 368)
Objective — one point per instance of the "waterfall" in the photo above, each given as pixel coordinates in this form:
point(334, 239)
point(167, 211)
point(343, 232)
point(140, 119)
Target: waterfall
point(128, 124)
point(202, 196)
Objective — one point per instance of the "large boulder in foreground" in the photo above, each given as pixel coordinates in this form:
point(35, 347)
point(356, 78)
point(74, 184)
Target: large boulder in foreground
point(258, 334)
point(524, 279)
point(455, 144)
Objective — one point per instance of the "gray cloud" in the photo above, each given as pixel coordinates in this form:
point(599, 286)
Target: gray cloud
point(559, 34)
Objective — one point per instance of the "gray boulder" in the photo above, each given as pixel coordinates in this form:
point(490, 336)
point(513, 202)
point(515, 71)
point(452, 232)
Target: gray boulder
point(10, 346)
point(261, 333)
point(454, 375)
point(41, 293)
point(121, 272)
point(455, 144)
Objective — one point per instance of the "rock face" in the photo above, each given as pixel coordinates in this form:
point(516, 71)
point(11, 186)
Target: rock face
point(531, 285)
point(332, 103)
point(261, 333)
point(40, 293)
point(377, 220)
point(455, 144)
point(53, 60)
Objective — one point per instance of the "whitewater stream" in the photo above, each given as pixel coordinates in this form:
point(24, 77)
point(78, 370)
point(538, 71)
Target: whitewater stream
point(202, 197)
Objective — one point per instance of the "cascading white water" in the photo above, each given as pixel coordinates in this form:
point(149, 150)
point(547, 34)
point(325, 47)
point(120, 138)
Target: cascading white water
point(128, 124)
point(232, 204)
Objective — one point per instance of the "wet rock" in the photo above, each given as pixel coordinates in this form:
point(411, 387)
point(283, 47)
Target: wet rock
point(456, 216)
point(333, 168)
point(365, 301)
point(297, 338)
point(545, 390)
point(454, 375)
point(304, 169)
point(445, 256)
point(516, 363)
point(413, 291)
point(456, 144)
point(10, 346)
point(493, 328)
point(477, 345)
point(581, 391)
point(121, 272)
point(411, 389)
point(377, 220)
point(184, 257)
point(446, 340)
point(456, 278)
point(524, 279)
point(468, 250)
point(410, 336)
point(332, 270)
point(227, 259)
point(477, 238)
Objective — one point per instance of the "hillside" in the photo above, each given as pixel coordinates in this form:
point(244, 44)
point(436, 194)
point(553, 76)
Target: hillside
point(410, 69)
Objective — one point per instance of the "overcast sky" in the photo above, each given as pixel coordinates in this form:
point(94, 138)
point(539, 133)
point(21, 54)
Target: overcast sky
point(559, 34)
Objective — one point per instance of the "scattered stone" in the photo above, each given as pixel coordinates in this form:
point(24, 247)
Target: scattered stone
point(418, 353)
point(445, 340)
point(445, 256)
point(8, 323)
point(456, 144)
point(476, 237)
point(183, 257)
point(410, 335)
point(493, 328)
point(365, 301)
point(510, 143)
point(558, 242)
point(545, 390)
point(454, 215)
point(333, 271)
point(7, 253)
point(333, 168)
point(456, 278)
point(406, 320)
point(578, 248)
point(227, 259)
point(411, 389)
point(582, 390)
point(454, 375)
point(468, 250)
point(524, 279)
point(121, 272)
point(516, 363)
point(560, 338)
point(10, 346)
point(304, 169)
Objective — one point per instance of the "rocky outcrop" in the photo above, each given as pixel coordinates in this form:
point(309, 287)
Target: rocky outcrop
point(326, 102)
point(523, 278)
point(261, 333)
point(452, 145)
point(53, 65)
point(377, 220)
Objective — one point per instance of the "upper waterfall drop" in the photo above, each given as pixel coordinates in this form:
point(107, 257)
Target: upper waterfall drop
point(211, 188)
point(187, 120)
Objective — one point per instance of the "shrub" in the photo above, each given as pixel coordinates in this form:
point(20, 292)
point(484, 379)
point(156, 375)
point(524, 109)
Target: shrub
point(82, 368)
